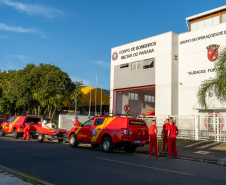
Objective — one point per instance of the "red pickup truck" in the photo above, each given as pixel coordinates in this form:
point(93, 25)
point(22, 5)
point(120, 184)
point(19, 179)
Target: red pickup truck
point(2, 119)
point(16, 124)
point(111, 132)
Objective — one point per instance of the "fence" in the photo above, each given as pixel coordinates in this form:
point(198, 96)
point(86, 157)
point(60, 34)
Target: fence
point(185, 124)
point(205, 126)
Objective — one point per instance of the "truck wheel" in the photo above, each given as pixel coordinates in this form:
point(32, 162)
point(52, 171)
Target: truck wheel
point(107, 145)
point(15, 135)
point(130, 149)
point(73, 141)
point(40, 138)
point(1, 132)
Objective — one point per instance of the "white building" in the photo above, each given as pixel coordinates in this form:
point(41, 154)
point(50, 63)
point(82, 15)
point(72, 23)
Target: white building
point(163, 73)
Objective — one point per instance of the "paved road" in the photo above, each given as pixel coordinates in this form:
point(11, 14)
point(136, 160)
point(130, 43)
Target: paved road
point(60, 164)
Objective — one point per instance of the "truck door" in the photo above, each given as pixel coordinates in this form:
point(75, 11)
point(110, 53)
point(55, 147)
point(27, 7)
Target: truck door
point(95, 130)
point(84, 132)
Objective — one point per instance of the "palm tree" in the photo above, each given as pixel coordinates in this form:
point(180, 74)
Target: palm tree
point(217, 84)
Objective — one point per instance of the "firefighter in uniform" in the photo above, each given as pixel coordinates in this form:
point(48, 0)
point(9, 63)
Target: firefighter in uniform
point(165, 136)
point(153, 139)
point(27, 131)
point(76, 123)
point(172, 134)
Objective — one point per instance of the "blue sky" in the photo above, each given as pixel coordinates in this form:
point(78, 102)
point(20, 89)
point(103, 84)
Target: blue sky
point(77, 36)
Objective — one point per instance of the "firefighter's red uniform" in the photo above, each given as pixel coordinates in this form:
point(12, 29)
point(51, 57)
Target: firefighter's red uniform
point(27, 131)
point(153, 140)
point(172, 141)
point(165, 137)
point(76, 124)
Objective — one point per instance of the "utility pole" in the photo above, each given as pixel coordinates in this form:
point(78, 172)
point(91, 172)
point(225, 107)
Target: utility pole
point(96, 96)
point(101, 101)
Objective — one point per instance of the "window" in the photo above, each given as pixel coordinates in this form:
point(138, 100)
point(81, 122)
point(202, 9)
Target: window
point(136, 65)
point(194, 26)
point(2, 119)
point(133, 96)
point(124, 65)
point(139, 65)
point(216, 20)
point(148, 63)
point(201, 24)
point(205, 23)
point(9, 120)
point(223, 17)
point(143, 64)
point(13, 119)
point(148, 98)
point(32, 120)
point(98, 122)
point(87, 123)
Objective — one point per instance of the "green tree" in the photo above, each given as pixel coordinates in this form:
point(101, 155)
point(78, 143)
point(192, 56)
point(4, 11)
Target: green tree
point(35, 90)
point(217, 84)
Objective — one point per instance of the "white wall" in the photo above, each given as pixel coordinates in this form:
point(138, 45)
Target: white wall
point(161, 47)
point(193, 57)
point(176, 81)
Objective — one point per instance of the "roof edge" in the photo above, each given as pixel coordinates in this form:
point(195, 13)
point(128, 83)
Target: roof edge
point(206, 13)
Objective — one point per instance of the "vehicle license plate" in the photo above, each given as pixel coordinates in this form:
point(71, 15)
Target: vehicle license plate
point(137, 141)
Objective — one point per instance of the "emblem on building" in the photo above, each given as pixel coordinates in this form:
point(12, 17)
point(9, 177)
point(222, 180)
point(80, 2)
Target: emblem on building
point(212, 52)
point(214, 120)
point(114, 56)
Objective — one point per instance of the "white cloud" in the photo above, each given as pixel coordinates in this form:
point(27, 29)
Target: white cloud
point(32, 9)
point(85, 82)
point(102, 64)
point(17, 29)
point(23, 58)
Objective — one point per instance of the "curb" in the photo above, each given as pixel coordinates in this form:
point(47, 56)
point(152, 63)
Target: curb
point(220, 163)
point(216, 162)
point(21, 175)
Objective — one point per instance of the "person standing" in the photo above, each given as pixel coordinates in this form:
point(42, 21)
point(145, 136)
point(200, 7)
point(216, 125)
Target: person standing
point(153, 139)
point(76, 123)
point(165, 135)
point(172, 141)
point(27, 131)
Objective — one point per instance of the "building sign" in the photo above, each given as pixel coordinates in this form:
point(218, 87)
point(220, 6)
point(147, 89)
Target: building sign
point(212, 52)
point(211, 121)
point(135, 51)
point(114, 56)
point(203, 37)
point(126, 108)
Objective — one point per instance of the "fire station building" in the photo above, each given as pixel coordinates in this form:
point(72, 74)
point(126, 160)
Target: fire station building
point(163, 73)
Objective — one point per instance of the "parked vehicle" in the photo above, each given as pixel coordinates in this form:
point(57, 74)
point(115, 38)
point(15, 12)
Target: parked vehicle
point(2, 119)
point(110, 133)
point(50, 132)
point(16, 124)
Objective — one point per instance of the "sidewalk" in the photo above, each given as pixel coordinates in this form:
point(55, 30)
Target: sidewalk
point(8, 178)
point(202, 151)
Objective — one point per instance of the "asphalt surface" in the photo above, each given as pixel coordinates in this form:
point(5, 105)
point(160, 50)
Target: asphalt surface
point(60, 164)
